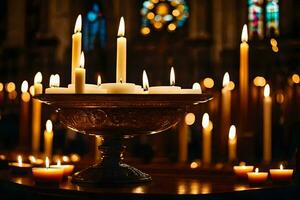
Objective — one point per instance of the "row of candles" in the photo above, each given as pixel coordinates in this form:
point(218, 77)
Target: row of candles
point(48, 173)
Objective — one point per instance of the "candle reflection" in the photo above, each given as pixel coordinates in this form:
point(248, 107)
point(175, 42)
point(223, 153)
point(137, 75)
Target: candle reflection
point(181, 187)
point(139, 190)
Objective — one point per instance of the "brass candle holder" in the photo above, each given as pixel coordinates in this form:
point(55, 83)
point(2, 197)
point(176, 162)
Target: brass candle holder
point(116, 117)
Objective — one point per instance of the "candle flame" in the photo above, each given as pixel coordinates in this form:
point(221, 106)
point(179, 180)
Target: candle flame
point(259, 81)
point(145, 81)
point(82, 60)
point(121, 30)
point(32, 159)
point(47, 162)
point(49, 125)
point(58, 163)
point(205, 120)
point(31, 90)
point(267, 90)
point(226, 79)
point(51, 81)
point(281, 167)
point(99, 81)
point(197, 86)
point(57, 80)
point(256, 170)
point(232, 132)
point(24, 86)
point(38, 77)
point(20, 163)
point(78, 24)
point(244, 34)
point(65, 158)
point(172, 77)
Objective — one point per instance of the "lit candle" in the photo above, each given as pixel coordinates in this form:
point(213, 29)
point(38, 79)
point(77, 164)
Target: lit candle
point(35, 161)
point(121, 53)
point(145, 82)
point(232, 143)
point(267, 125)
point(226, 111)
point(38, 87)
point(76, 47)
point(99, 81)
point(257, 177)
point(196, 89)
point(67, 169)
point(48, 139)
point(54, 86)
point(281, 175)
point(19, 167)
point(47, 174)
point(172, 89)
point(24, 116)
point(242, 170)
point(244, 76)
point(36, 114)
point(206, 139)
point(80, 76)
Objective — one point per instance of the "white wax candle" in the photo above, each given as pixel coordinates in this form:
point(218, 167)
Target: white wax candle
point(196, 89)
point(267, 125)
point(48, 139)
point(38, 87)
point(121, 53)
point(60, 90)
point(80, 76)
point(206, 139)
point(76, 47)
point(119, 88)
point(232, 143)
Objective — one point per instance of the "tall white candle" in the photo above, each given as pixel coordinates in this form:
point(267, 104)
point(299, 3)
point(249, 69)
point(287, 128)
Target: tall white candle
point(267, 125)
point(121, 53)
point(80, 76)
point(226, 111)
point(48, 139)
point(206, 139)
point(76, 47)
point(232, 144)
point(24, 116)
point(38, 87)
point(36, 114)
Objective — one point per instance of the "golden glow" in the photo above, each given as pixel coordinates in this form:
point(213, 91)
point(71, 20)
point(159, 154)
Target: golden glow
point(197, 86)
point(281, 167)
point(121, 30)
point(49, 125)
point(242, 164)
point(145, 30)
point(194, 165)
point(1, 87)
point(139, 190)
point(175, 13)
point(231, 85)
point(78, 24)
point(10, 87)
point(20, 162)
point(31, 90)
point(47, 163)
point(172, 77)
point(256, 170)
point(275, 49)
point(24, 86)
point(244, 36)
point(232, 133)
point(75, 157)
point(12, 95)
point(32, 159)
point(206, 188)
point(38, 77)
point(99, 81)
point(195, 187)
point(226, 79)
point(145, 81)
point(208, 83)
point(82, 60)
point(240, 188)
point(205, 120)
point(54, 80)
point(259, 81)
point(150, 15)
point(190, 119)
point(66, 159)
point(58, 163)
point(162, 9)
point(154, 1)
point(296, 78)
point(273, 42)
point(157, 25)
point(25, 97)
point(267, 90)
point(171, 27)
point(280, 98)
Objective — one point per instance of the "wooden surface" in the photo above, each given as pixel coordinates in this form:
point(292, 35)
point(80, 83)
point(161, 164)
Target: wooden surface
point(179, 185)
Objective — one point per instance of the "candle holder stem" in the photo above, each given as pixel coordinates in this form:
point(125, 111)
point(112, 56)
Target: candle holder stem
point(111, 169)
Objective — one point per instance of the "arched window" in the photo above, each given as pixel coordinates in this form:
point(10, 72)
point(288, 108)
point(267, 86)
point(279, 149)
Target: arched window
point(94, 29)
point(256, 18)
point(272, 17)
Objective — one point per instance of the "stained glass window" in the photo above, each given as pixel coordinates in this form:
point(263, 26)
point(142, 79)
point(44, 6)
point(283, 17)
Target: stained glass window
point(94, 29)
point(255, 18)
point(160, 14)
point(272, 17)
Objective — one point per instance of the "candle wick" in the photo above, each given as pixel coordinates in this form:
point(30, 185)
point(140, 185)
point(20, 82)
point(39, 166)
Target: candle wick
point(121, 80)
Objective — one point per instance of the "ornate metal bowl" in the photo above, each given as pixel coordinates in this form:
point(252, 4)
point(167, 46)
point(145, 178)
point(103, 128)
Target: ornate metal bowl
point(116, 117)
